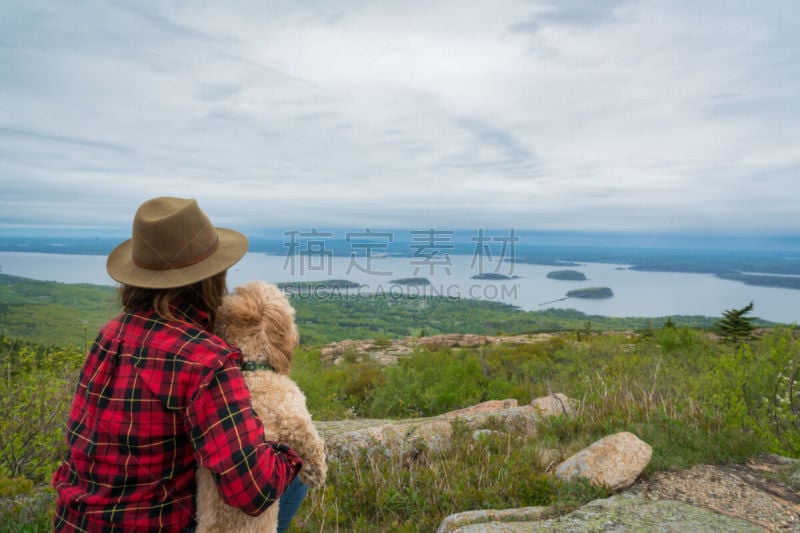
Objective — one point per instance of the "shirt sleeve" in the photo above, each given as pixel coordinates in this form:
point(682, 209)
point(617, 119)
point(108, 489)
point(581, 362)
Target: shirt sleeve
point(229, 441)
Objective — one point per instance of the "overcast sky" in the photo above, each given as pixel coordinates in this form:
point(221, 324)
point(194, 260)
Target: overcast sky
point(654, 116)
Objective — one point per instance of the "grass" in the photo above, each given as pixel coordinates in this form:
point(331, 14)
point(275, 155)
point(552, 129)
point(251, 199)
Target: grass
point(507, 469)
point(25, 509)
point(375, 492)
point(691, 397)
point(671, 388)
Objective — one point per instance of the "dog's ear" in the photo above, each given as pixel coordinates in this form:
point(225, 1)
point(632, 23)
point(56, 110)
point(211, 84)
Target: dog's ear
point(279, 326)
point(238, 314)
point(258, 318)
point(246, 305)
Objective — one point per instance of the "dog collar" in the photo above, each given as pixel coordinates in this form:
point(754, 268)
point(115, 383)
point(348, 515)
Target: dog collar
point(250, 366)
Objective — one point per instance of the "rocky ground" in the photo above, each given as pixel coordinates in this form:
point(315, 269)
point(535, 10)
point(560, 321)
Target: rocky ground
point(388, 351)
point(761, 495)
point(705, 498)
point(750, 492)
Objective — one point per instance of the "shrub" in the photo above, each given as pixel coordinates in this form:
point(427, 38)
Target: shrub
point(27, 511)
point(11, 486)
point(429, 383)
point(336, 392)
point(37, 390)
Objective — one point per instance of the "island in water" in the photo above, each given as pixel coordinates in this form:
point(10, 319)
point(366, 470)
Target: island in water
point(567, 275)
point(591, 293)
point(493, 276)
point(762, 280)
point(411, 281)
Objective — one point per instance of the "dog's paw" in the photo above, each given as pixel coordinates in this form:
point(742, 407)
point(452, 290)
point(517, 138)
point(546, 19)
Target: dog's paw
point(312, 475)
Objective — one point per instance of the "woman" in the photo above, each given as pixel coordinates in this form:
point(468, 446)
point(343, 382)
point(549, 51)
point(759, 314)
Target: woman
point(160, 395)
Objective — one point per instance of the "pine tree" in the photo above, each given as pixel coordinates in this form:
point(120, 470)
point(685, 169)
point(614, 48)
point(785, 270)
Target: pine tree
point(734, 326)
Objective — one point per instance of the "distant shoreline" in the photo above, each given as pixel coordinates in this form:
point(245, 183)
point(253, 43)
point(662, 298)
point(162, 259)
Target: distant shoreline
point(636, 293)
point(756, 268)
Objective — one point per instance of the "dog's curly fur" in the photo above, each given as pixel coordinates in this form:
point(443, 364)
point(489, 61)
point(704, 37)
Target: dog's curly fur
point(259, 320)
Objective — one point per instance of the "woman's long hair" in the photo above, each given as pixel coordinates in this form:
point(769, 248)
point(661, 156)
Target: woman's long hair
point(206, 295)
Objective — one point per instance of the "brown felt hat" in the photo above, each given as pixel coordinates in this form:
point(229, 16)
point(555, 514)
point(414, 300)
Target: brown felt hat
point(173, 244)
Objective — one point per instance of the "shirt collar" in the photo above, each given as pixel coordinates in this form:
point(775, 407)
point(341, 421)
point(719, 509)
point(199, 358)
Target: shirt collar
point(191, 314)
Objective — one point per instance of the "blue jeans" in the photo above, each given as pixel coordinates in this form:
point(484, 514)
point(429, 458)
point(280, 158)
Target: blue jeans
point(290, 502)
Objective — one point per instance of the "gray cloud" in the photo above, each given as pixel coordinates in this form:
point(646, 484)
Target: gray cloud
point(36, 137)
point(510, 147)
point(619, 115)
point(162, 22)
point(576, 13)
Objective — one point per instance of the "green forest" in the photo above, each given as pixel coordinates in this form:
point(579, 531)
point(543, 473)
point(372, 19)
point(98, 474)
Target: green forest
point(61, 314)
point(697, 389)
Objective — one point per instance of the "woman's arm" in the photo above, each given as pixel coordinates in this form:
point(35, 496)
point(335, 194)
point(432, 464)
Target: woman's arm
point(228, 439)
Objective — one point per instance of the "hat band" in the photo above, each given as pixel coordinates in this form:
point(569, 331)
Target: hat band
point(171, 266)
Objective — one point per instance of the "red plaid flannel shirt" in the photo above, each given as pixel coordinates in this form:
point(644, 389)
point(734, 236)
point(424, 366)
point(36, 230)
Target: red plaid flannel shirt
point(155, 399)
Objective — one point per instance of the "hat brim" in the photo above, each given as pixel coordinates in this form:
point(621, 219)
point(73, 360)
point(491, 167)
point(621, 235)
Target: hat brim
point(120, 265)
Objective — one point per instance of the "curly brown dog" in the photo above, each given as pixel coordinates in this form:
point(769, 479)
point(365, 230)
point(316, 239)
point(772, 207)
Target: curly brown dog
point(259, 320)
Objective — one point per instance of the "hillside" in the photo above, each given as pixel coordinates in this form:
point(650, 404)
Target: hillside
point(50, 313)
point(63, 314)
point(694, 399)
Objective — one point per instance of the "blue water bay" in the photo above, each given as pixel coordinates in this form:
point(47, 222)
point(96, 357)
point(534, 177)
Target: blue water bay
point(636, 293)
